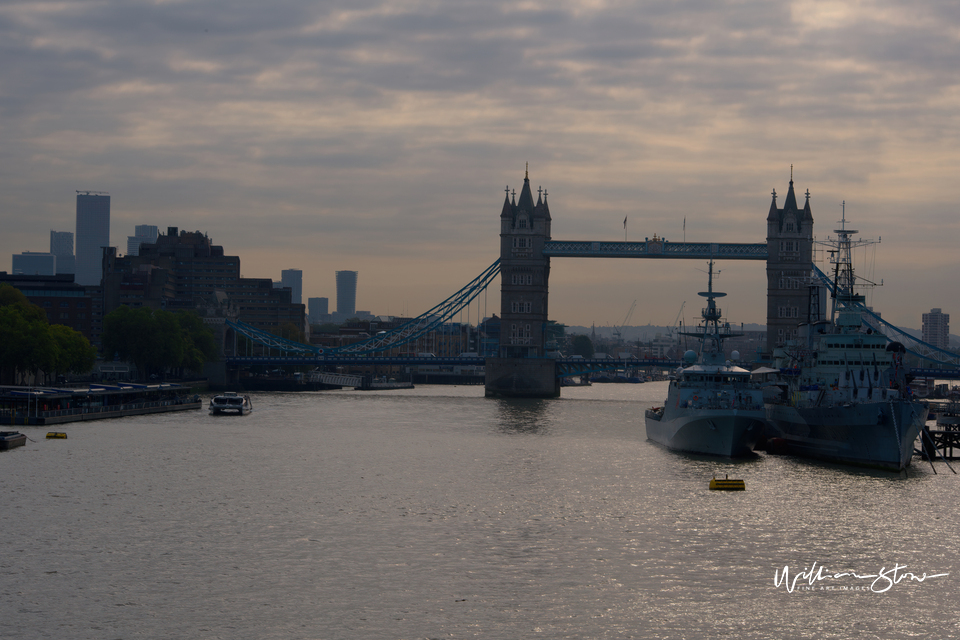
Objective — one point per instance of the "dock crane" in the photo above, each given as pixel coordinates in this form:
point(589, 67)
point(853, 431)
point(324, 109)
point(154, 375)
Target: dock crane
point(618, 331)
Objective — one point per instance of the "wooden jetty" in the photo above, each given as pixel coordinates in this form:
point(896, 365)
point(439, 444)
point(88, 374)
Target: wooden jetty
point(943, 440)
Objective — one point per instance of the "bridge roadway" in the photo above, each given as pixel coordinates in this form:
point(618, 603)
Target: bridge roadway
point(459, 361)
point(568, 366)
point(656, 248)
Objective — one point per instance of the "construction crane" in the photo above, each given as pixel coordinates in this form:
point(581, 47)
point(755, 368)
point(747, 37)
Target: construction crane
point(676, 320)
point(618, 331)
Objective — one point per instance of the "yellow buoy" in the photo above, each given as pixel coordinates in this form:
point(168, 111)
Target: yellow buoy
point(727, 484)
point(56, 434)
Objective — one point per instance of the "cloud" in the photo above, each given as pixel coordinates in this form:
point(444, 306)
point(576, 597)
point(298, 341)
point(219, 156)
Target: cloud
point(383, 132)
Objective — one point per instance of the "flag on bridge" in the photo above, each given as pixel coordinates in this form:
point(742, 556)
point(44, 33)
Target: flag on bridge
point(624, 222)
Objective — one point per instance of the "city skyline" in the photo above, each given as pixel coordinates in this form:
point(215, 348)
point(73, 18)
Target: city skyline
point(383, 136)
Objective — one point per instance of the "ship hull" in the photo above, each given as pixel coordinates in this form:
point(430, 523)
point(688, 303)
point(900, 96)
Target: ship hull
point(730, 433)
point(878, 435)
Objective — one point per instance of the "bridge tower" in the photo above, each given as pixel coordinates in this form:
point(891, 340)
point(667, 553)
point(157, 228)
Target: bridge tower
point(521, 368)
point(524, 273)
point(789, 267)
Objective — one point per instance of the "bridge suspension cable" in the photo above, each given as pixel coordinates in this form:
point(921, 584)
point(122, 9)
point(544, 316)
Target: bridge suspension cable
point(426, 322)
point(872, 320)
point(404, 334)
point(272, 341)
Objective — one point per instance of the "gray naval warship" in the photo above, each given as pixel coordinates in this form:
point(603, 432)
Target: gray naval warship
point(712, 407)
point(842, 393)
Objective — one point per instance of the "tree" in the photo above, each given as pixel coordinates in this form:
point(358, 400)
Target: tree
point(168, 346)
point(126, 335)
point(582, 346)
point(290, 331)
point(156, 341)
point(75, 354)
point(25, 341)
point(200, 346)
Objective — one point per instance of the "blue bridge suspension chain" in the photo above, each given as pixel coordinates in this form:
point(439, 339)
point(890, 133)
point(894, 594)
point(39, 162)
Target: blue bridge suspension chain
point(404, 334)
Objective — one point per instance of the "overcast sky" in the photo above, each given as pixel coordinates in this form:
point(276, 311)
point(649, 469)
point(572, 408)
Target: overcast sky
point(378, 136)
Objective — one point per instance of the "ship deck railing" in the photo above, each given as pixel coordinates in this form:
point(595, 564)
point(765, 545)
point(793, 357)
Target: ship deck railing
point(717, 406)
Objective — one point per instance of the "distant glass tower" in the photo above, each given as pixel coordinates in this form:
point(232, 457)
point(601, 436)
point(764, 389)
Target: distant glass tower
point(143, 234)
point(317, 308)
point(347, 293)
point(61, 245)
point(93, 233)
point(293, 278)
point(936, 328)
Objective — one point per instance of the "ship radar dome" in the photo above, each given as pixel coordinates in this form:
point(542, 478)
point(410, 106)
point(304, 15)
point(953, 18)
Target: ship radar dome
point(690, 356)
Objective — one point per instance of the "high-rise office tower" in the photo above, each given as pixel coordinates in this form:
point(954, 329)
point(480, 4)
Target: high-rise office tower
point(93, 234)
point(61, 245)
point(293, 278)
point(317, 308)
point(143, 234)
point(936, 328)
point(347, 293)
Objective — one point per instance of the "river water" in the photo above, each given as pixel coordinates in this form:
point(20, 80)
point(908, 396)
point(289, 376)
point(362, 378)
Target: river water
point(438, 513)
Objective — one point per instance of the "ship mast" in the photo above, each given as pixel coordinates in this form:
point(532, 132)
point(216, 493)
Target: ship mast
point(711, 331)
point(842, 293)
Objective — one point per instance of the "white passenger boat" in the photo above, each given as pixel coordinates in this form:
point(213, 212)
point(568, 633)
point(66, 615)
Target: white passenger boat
point(230, 402)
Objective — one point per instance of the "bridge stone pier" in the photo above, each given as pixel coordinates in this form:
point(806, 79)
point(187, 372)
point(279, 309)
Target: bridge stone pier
point(521, 368)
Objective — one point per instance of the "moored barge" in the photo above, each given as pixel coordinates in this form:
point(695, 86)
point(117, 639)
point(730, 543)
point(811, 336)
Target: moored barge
point(41, 406)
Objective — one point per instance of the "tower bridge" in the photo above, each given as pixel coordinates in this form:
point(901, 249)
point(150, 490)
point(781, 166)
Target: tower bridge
point(526, 248)
point(521, 366)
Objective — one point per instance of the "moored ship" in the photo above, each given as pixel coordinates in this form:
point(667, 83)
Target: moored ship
point(843, 393)
point(712, 406)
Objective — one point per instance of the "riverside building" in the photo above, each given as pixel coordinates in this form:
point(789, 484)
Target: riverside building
point(185, 270)
point(936, 329)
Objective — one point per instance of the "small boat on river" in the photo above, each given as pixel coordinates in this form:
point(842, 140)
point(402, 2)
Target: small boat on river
point(230, 402)
point(11, 439)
